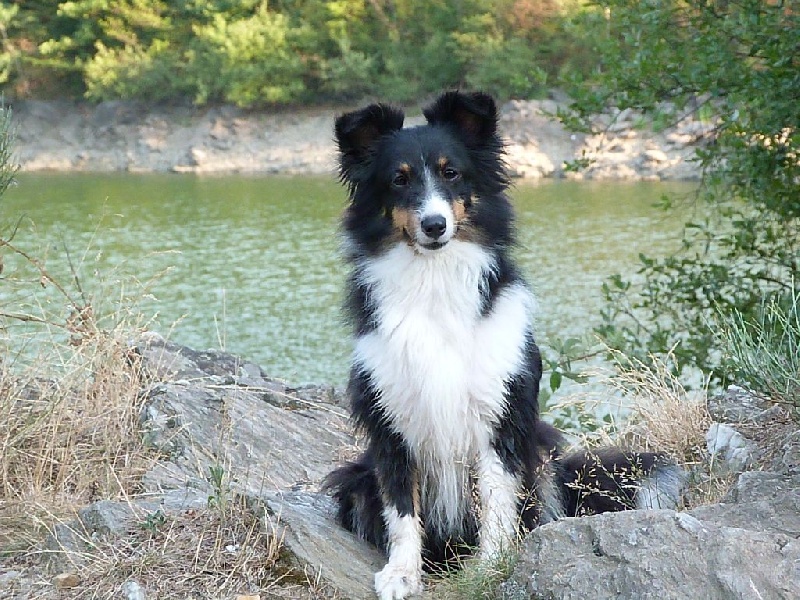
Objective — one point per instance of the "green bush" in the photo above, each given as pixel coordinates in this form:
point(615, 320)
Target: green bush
point(249, 61)
point(255, 52)
point(507, 69)
point(736, 64)
point(763, 353)
point(133, 72)
point(352, 73)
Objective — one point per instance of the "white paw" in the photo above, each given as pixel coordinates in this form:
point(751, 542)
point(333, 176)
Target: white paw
point(396, 582)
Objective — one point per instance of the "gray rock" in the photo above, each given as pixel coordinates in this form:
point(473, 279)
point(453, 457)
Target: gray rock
point(679, 139)
point(167, 361)
point(695, 129)
point(109, 518)
point(131, 590)
point(654, 555)
point(65, 545)
point(744, 547)
point(207, 412)
point(655, 156)
point(736, 405)
point(274, 442)
point(315, 542)
point(264, 441)
point(770, 414)
point(788, 460)
point(729, 449)
point(8, 578)
point(759, 501)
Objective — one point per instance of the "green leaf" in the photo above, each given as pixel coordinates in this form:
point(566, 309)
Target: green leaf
point(555, 380)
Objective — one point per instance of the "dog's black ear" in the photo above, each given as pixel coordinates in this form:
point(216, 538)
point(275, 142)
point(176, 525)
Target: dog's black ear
point(474, 116)
point(357, 132)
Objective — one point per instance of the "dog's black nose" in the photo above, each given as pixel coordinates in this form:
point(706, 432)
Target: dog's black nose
point(434, 226)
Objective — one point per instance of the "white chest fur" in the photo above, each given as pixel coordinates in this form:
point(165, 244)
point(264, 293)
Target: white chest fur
point(441, 367)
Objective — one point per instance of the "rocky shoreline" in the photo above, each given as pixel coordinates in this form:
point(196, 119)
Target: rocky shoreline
point(277, 442)
point(122, 136)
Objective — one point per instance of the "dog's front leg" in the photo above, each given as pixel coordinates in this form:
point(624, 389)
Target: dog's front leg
point(398, 483)
point(499, 515)
point(402, 575)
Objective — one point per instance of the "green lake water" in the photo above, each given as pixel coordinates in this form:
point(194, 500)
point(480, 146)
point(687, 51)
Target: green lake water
point(251, 264)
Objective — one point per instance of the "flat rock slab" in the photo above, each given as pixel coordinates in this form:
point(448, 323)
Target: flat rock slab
point(337, 557)
point(214, 410)
point(646, 555)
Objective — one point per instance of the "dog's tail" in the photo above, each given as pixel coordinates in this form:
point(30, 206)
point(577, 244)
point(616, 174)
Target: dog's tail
point(612, 479)
point(606, 480)
point(355, 489)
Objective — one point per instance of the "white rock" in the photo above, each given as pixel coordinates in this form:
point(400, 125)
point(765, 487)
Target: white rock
point(728, 445)
point(133, 591)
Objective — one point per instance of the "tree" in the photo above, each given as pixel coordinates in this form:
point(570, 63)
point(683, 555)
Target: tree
point(738, 65)
point(255, 52)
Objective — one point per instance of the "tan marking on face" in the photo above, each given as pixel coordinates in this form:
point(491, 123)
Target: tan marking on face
point(406, 224)
point(459, 210)
point(442, 163)
point(465, 231)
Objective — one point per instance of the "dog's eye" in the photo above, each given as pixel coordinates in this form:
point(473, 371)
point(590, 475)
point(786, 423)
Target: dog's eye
point(400, 180)
point(450, 174)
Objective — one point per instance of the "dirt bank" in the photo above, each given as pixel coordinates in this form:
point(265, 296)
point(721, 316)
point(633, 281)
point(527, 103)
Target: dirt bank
point(127, 136)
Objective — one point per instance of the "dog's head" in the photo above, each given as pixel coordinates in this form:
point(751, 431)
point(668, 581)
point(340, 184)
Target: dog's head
point(424, 185)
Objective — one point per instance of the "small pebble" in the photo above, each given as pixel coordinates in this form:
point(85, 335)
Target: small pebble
point(133, 591)
point(66, 580)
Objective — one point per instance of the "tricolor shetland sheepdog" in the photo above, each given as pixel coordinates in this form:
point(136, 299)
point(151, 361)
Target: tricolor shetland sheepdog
point(445, 373)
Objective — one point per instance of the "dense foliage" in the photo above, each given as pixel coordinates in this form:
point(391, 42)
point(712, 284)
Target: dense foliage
point(738, 65)
point(254, 52)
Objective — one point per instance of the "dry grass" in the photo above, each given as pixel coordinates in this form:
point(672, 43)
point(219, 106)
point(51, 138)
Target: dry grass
point(235, 553)
point(69, 397)
point(72, 438)
point(667, 418)
point(208, 553)
point(661, 416)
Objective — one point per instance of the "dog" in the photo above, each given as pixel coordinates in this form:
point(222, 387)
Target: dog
point(445, 373)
